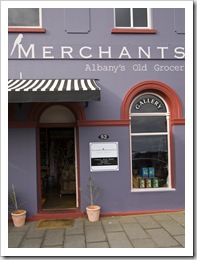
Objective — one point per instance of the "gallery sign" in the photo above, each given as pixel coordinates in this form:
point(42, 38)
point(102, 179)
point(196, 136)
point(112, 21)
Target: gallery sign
point(23, 50)
point(104, 156)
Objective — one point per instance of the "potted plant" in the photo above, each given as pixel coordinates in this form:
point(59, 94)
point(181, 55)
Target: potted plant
point(18, 215)
point(93, 211)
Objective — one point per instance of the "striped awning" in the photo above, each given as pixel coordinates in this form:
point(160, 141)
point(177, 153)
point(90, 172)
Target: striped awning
point(52, 90)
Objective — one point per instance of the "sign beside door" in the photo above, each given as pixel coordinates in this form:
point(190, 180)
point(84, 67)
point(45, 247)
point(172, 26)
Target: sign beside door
point(104, 156)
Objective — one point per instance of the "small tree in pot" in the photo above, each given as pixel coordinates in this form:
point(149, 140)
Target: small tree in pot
point(18, 215)
point(93, 211)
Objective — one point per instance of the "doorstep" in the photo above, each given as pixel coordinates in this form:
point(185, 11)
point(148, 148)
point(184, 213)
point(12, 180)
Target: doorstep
point(75, 213)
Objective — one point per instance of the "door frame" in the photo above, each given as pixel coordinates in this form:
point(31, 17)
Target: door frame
point(76, 145)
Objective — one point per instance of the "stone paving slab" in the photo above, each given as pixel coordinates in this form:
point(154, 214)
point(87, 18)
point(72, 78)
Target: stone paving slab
point(181, 239)
point(111, 225)
point(172, 227)
point(178, 217)
point(53, 237)
point(77, 229)
point(162, 238)
point(118, 240)
point(134, 231)
point(75, 241)
point(94, 234)
point(143, 243)
point(127, 219)
point(98, 245)
point(15, 238)
point(147, 222)
point(35, 233)
point(31, 243)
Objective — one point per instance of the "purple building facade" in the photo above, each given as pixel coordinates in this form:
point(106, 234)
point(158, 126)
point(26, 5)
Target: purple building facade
point(103, 98)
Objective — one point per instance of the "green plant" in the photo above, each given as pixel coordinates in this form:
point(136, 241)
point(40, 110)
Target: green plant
point(13, 204)
point(93, 190)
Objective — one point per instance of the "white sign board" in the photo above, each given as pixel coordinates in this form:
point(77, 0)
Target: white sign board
point(104, 156)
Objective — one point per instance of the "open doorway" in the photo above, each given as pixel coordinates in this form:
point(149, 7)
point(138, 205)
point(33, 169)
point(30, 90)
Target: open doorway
point(58, 173)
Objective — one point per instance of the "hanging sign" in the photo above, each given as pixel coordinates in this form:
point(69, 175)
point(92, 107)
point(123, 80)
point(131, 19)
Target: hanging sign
point(104, 156)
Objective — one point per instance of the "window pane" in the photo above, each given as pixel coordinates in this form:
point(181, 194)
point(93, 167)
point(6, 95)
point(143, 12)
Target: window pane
point(122, 16)
point(148, 124)
point(23, 17)
point(140, 17)
point(150, 152)
point(148, 104)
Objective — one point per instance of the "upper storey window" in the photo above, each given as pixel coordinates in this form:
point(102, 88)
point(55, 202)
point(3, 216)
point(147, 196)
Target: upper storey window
point(132, 17)
point(20, 17)
point(133, 20)
point(25, 20)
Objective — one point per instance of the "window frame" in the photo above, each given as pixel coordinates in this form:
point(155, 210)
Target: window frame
point(149, 20)
point(167, 134)
point(28, 28)
point(134, 30)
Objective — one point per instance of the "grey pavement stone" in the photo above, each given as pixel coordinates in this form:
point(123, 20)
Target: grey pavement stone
point(127, 219)
point(20, 229)
point(98, 245)
point(111, 225)
point(134, 231)
point(31, 243)
point(172, 227)
point(75, 241)
point(162, 238)
point(94, 234)
point(143, 243)
point(118, 240)
point(77, 229)
point(15, 239)
point(88, 223)
point(10, 226)
point(54, 237)
point(161, 216)
point(35, 233)
point(180, 239)
point(178, 217)
point(147, 222)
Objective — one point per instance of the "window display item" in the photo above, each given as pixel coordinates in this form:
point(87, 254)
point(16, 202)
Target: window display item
point(144, 172)
point(148, 183)
point(151, 172)
point(155, 183)
point(142, 183)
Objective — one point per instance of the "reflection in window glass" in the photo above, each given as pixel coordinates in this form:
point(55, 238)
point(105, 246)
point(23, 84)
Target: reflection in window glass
point(140, 17)
point(23, 17)
point(148, 124)
point(150, 152)
point(122, 17)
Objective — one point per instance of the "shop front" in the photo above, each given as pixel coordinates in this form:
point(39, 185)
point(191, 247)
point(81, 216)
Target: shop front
point(91, 101)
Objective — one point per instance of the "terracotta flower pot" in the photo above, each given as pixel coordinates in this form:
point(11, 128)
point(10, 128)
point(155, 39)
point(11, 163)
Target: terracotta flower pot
point(18, 217)
point(93, 213)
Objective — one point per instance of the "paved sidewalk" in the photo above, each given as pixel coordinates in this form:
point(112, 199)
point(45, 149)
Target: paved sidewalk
point(163, 230)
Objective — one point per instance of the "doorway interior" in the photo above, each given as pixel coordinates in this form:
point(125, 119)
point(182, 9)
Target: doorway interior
point(58, 172)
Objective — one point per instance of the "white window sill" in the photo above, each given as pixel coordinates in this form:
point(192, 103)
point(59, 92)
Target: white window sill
point(153, 190)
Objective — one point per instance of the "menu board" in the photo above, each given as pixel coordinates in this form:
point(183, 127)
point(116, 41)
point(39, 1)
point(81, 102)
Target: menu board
point(104, 156)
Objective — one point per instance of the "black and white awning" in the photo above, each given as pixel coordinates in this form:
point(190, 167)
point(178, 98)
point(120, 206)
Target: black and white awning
point(52, 90)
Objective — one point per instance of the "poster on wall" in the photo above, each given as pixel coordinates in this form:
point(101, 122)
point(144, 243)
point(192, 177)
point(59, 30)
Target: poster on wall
point(104, 156)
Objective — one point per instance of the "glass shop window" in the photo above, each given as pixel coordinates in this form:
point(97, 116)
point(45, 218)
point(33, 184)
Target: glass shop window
point(150, 143)
point(24, 17)
point(133, 17)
